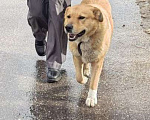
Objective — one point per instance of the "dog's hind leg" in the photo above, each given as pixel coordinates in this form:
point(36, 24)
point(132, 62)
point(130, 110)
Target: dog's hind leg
point(86, 70)
point(96, 68)
point(79, 70)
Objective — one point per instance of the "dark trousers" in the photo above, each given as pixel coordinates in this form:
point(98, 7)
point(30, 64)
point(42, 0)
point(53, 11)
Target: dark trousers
point(46, 18)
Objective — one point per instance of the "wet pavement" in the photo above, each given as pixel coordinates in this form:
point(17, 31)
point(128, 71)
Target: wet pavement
point(124, 86)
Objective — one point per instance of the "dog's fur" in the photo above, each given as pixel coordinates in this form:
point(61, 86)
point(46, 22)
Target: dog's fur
point(93, 16)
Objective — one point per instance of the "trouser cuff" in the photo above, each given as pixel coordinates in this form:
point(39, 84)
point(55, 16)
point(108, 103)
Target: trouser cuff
point(54, 65)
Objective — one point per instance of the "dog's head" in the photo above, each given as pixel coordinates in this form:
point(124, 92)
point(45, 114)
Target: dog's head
point(82, 20)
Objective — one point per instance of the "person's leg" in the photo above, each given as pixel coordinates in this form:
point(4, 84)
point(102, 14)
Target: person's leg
point(57, 38)
point(38, 20)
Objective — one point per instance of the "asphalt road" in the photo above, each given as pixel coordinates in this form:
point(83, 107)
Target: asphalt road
point(124, 86)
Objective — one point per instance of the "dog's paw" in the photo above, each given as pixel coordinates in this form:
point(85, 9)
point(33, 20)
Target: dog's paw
point(85, 79)
point(86, 73)
point(86, 70)
point(91, 100)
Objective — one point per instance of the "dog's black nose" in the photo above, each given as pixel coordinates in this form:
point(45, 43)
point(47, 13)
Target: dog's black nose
point(69, 27)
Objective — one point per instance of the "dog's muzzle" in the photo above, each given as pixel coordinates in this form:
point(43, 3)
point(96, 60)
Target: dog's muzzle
point(73, 37)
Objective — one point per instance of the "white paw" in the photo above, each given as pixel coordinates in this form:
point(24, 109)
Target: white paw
point(91, 100)
point(85, 79)
point(86, 73)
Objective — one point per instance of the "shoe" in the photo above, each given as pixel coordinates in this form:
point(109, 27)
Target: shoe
point(40, 47)
point(53, 75)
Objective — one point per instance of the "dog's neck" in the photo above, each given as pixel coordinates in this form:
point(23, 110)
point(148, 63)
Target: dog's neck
point(83, 39)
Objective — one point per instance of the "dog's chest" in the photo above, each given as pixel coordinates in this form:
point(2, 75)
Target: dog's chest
point(88, 53)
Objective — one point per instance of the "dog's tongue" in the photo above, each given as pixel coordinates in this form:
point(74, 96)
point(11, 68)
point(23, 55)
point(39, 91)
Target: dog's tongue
point(72, 36)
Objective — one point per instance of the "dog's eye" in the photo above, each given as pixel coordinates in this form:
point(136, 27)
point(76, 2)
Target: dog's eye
point(81, 17)
point(68, 16)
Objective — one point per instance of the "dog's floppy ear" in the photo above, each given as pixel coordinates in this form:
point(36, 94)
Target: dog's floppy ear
point(98, 14)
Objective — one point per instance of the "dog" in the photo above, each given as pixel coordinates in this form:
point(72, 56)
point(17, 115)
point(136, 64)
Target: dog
point(89, 26)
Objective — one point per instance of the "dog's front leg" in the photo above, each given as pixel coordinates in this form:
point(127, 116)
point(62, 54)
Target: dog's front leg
point(96, 68)
point(79, 70)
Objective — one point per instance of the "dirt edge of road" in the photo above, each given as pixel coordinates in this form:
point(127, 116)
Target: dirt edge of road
point(145, 14)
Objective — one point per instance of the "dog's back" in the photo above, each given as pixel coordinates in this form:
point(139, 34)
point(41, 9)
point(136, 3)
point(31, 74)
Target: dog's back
point(103, 4)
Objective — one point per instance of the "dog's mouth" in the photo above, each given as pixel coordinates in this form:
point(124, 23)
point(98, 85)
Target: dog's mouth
point(73, 37)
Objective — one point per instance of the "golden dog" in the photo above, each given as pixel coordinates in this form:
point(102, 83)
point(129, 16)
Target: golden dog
point(89, 26)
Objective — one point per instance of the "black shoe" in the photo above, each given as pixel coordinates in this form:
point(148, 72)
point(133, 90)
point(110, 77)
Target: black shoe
point(53, 75)
point(40, 47)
